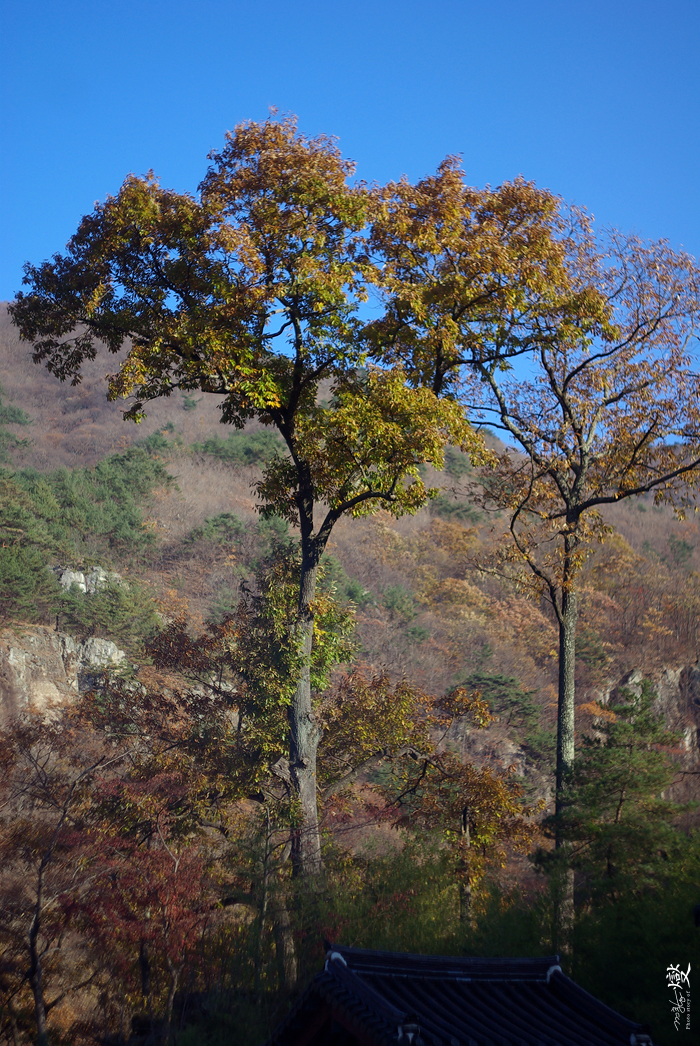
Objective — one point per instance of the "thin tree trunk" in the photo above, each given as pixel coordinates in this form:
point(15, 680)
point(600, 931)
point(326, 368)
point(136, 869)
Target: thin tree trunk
point(568, 619)
point(263, 906)
point(36, 972)
point(567, 695)
point(466, 912)
point(564, 914)
point(13, 1023)
point(175, 972)
point(145, 969)
point(304, 732)
point(284, 946)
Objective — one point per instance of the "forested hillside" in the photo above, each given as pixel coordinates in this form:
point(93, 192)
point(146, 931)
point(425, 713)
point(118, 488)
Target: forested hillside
point(170, 506)
point(388, 680)
point(169, 499)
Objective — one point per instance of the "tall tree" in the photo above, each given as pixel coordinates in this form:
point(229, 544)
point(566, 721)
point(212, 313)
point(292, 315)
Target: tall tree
point(603, 404)
point(608, 409)
point(250, 292)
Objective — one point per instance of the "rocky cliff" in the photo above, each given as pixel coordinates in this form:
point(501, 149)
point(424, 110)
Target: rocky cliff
point(678, 703)
point(41, 668)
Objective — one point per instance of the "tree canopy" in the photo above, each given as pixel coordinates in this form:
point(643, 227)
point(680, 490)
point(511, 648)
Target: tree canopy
point(252, 289)
point(251, 292)
point(608, 409)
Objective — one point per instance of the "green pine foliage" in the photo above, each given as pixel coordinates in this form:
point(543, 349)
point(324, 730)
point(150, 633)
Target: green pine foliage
point(225, 529)
point(75, 516)
point(10, 415)
point(400, 603)
point(96, 511)
point(159, 445)
point(28, 591)
point(124, 613)
point(333, 578)
point(517, 709)
point(454, 509)
point(242, 448)
point(457, 463)
point(620, 831)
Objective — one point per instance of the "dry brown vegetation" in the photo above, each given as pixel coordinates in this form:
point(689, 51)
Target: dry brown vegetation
point(640, 604)
point(77, 425)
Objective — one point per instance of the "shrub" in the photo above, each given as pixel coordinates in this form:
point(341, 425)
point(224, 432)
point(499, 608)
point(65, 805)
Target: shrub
point(10, 415)
point(224, 529)
point(515, 707)
point(28, 591)
point(123, 613)
point(242, 448)
point(400, 602)
point(332, 577)
point(453, 509)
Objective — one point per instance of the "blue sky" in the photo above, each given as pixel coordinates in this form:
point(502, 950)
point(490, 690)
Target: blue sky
point(599, 102)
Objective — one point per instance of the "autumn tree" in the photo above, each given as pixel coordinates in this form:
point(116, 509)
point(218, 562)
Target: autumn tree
point(469, 276)
point(607, 409)
point(48, 771)
point(477, 811)
point(250, 292)
point(603, 403)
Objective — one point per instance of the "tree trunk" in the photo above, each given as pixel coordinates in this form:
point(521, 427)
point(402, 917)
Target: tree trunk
point(145, 969)
point(13, 1023)
point(35, 982)
point(175, 972)
point(263, 905)
point(565, 744)
point(36, 972)
point(304, 732)
point(466, 911)
point(567, 694)
point(284, 946)
point(564, 914)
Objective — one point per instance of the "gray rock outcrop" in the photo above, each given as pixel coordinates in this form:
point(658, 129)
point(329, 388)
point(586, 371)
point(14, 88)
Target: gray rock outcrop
point(41, 669)
point(93, 581)
point(67, 578)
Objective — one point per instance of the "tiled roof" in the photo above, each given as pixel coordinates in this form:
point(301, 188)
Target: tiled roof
point(386, 997)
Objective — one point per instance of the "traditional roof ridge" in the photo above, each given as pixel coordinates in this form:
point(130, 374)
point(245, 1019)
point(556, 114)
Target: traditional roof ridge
point(574, 992)
point(526, 968)
point(365, 993)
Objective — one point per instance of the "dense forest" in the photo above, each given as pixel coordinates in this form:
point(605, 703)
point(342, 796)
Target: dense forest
point(163, 876)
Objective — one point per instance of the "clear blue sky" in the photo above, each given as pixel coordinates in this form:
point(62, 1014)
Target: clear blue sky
point(598, 101)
